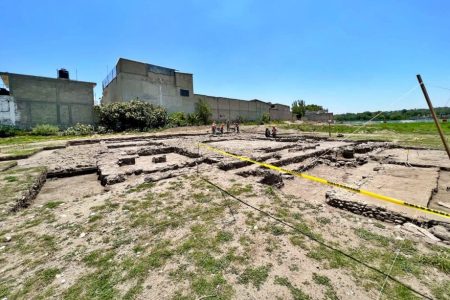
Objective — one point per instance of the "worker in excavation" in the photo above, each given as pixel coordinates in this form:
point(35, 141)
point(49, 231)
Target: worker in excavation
point(267, 132)
point(274, 132)
point(213, 128)
point(221, 128)
point(237, 127)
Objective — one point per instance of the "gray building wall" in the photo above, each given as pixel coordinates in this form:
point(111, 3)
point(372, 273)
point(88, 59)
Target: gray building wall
point(233, 109)
point(157, 85)
point(42, 100)
point(131, 80)
point(318, 116)
point(280, 112)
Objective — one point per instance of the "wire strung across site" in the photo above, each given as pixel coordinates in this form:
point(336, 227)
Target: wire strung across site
point(387, 275)
point(390, 270)
point(311, 237)
point(365, 123)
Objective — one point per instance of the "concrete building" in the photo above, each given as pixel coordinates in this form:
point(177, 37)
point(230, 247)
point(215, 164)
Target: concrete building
point(322, 116)
point(175, 91)
point(36, 100)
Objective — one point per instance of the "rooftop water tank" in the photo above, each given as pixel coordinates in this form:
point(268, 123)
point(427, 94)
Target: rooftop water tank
point(63, 74)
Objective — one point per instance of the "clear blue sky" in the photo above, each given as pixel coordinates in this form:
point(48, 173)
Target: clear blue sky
point(348, 56)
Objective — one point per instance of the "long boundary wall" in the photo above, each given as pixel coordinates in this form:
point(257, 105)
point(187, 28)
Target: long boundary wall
point(234, 109)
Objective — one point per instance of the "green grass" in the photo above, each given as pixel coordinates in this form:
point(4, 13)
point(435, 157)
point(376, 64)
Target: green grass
point(16, 182)
point(95, 285)
point(224, 236)
point(256, 276)
point(441, 290)
point(202, 197)
point(4, 290)
point(10, 178)
point(12, 153)
point(396, 291)
point(421, 134)
point(27, 139)
point(141, 187)
point(322, 280)
point(53, 204)
point(5, 165)
point(372, 237)
point(277, 230)
point(296, 293)
point(436, 260)
point(323, 220)
point(37, 283)
point(330, 293)
point(238, 189)
point(333, 258)
point(416, 128)
point(212, 287)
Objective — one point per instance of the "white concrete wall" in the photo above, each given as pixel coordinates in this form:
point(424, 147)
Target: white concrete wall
point(9, 114)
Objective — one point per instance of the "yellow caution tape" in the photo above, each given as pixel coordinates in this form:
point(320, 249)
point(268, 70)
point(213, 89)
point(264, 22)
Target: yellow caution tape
point(327, 182)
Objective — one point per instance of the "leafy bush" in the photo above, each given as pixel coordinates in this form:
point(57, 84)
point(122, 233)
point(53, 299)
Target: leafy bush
point(178, 119)
point(240, 119)
point(132, 115)
point(102, 130)
point(192, 119)
point(79, 129)
point(265, 118)
point(8, 130)
point(45, 129)
point(203, 112)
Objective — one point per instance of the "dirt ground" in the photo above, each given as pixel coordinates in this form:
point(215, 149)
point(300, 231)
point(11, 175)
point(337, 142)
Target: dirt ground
point(160, 217)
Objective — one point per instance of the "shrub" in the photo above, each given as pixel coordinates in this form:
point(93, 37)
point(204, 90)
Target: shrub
point(103, 130)
point(8, 130)
point(192, 119)
point(240, 119)
point(265, 118)
point(203, 112)
point(177, 119)
point(45, 129)
point(79, 129)
point(132, 115)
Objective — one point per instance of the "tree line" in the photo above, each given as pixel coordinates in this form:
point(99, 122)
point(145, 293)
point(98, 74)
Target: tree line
point(299, 107)
point(396, 115)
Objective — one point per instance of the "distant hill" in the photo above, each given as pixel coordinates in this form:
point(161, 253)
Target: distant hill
point(404, 114)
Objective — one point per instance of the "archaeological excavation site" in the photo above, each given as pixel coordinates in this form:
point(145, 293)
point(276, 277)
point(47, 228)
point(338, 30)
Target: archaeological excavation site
point(190, 215)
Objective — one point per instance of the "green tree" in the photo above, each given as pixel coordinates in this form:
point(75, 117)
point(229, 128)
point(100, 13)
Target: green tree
point(313, 107)
point(203, 112)
point(298, 108)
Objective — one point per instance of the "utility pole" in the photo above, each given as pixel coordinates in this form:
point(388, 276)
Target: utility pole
point(433, 114)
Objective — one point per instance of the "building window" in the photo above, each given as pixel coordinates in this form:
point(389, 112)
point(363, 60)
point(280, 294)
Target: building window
point(184, 93)
point(4, 106)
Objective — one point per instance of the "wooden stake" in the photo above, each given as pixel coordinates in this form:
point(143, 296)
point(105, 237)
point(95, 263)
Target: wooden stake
point(436, 121)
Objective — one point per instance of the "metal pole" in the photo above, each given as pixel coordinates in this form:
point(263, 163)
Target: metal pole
point(329, 128)
point(433, 114)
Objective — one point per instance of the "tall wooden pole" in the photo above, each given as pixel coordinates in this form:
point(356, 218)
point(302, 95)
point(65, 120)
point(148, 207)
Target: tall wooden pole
point(436, 121)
